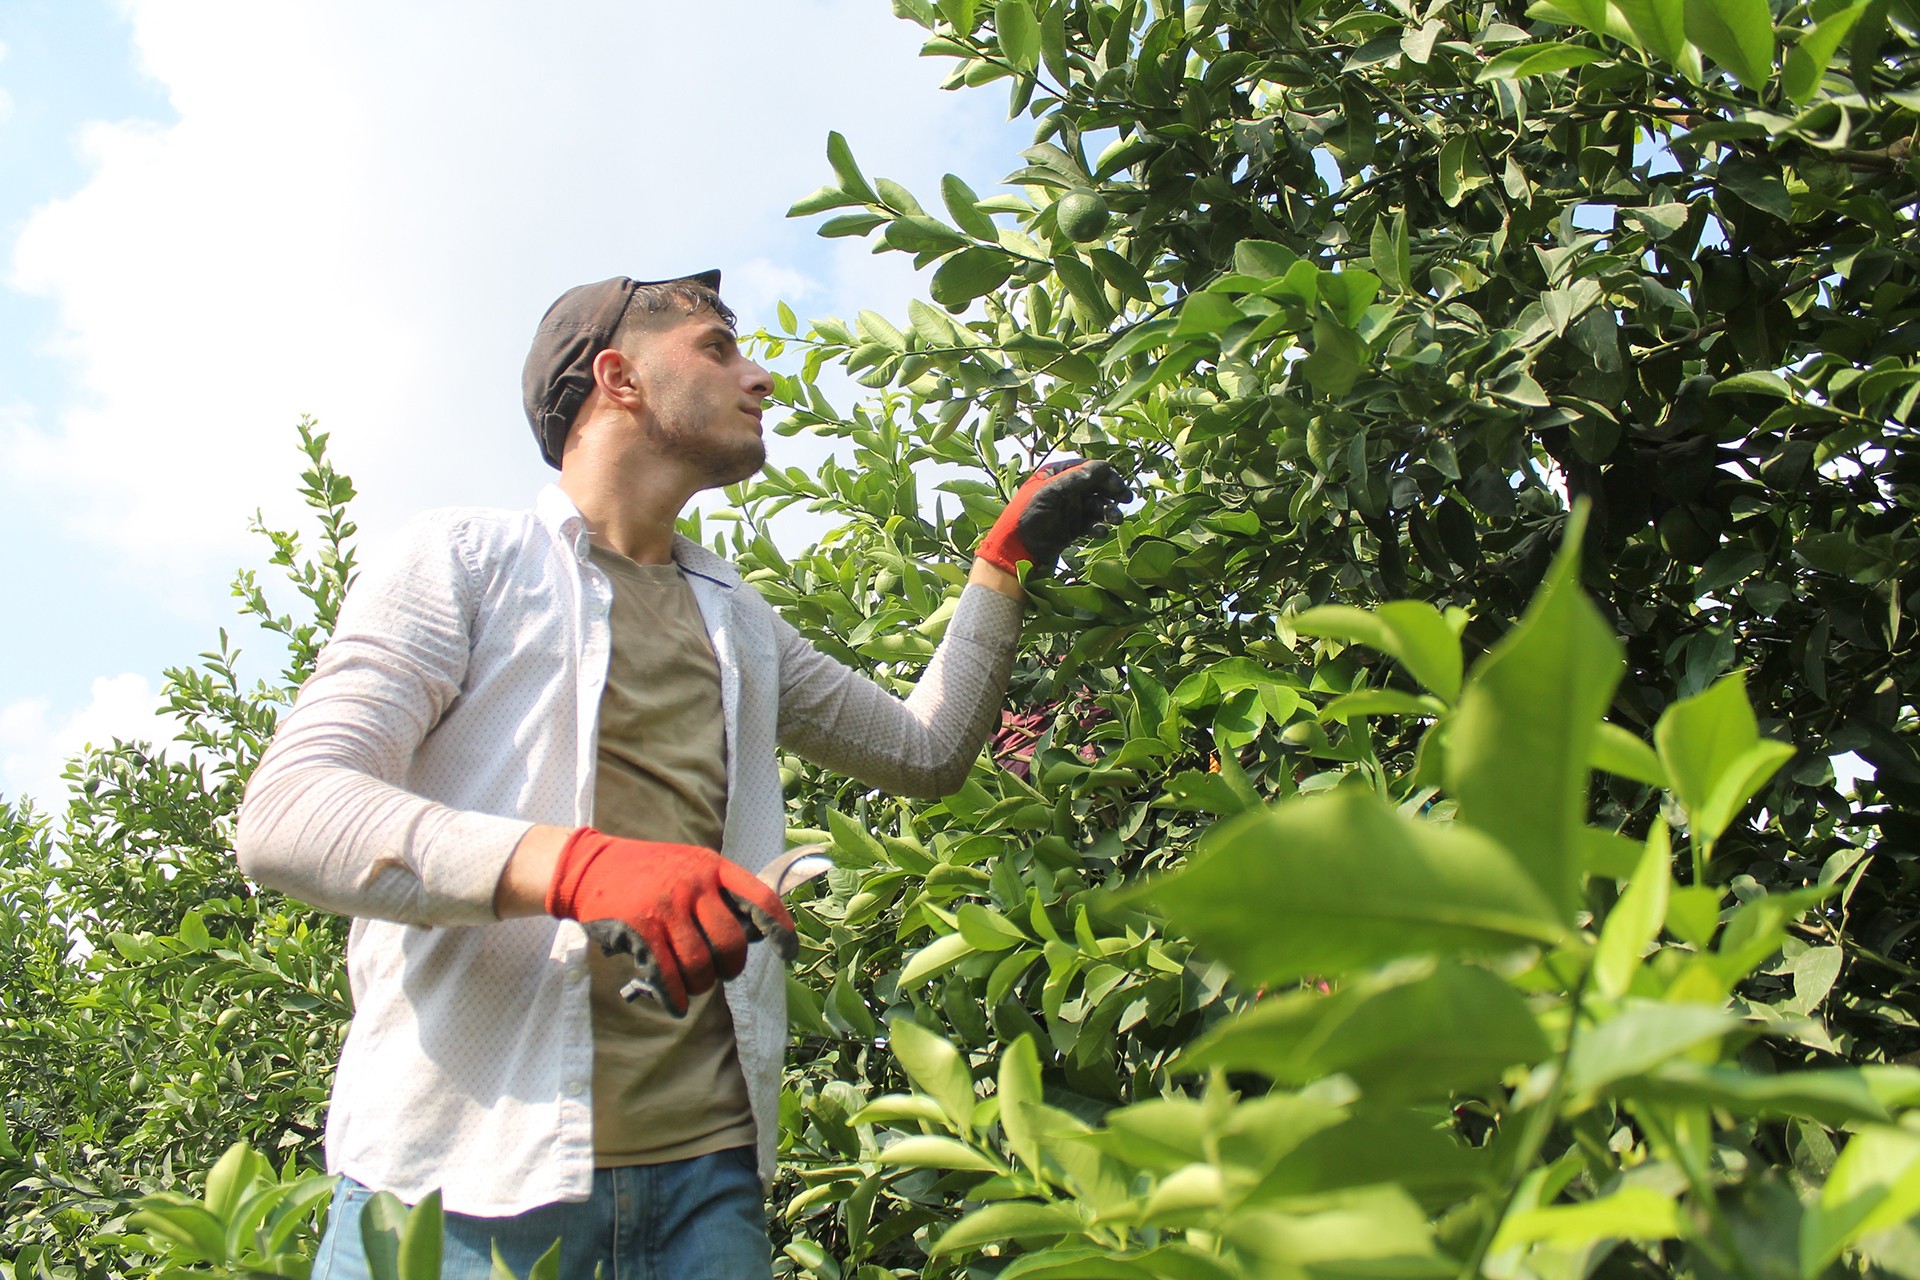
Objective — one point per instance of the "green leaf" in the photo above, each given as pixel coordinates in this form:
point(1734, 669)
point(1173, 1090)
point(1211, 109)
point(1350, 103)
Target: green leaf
point(901, 1106)
point(1381, 702)
point(840, 156)
point(1762, 383)
point(968, 275)
point(1631, 1213)
point(936, 1068)
point(1365, 1149)
point(1565, 304)
point(1349, 293)
point(1875, 1184)
point(546, 1266)
point(1712, 749)
point(230, 1178)
point(1330, 883)
point(1807, 62)
point(935, 958)
point(1417, 1032)
point(988, 930)
point(1206, 315)
point(930, 1151)
point(1019, 33)
point(1693, 913)
point(1519, 743)
point(1452, 175)
point(1642, 1035)
point(1013, 1220)
point(963, 206)
point(382, 1220)
point(853, 844)
point(1636, 917)
point(1814, 971)
point(1737, 34)
point(852, 224)
point(1120, 273)
point(1660, 26)
point(1191, 789)
point(1375, 1232)
point(820, 201)
point(421, 1240)
point(1084, 287)
point(918, 233)
point(1409, 630)
point(875, 327)
point(1620, 752)
point(1338, 358)
point(1263, 258)
point(1832, 1097)
point(1390, 252)
point(1526, 60)
point(185, 1222)
point(960, 13)
point(1019, 1091)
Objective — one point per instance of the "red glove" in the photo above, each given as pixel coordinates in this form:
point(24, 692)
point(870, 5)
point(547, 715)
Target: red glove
point(684, 913)
point(1061, 502)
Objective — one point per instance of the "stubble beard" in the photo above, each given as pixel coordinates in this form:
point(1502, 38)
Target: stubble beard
point(720, 462)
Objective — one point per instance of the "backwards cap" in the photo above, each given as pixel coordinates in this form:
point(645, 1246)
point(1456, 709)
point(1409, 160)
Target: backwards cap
point(559, 369)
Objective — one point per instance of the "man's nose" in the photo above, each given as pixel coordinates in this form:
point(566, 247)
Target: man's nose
point(758, 382)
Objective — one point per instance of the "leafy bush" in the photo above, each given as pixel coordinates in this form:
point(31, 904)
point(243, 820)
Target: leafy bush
point(1469, 1073)
point(156, 1007)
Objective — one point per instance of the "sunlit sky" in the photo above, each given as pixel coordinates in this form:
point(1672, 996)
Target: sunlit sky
point(219, 215)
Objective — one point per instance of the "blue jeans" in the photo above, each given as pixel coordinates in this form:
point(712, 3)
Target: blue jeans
point(697, 1219)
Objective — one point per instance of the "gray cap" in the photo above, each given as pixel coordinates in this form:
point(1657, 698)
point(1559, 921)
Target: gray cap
point(559, 369)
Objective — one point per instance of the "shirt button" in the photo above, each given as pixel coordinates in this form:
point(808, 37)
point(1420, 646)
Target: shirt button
point(576, 1087)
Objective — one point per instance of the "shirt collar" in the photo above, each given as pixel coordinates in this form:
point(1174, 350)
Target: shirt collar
point(569, 528)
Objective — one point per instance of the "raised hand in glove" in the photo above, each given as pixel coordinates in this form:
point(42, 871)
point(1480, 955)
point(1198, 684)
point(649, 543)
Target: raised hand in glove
point(684, 913)
point(1060, 503)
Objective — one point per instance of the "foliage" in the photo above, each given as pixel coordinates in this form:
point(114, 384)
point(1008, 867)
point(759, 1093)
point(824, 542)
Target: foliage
point(250, 1222)
point(1288, 931)
point(1476, 1078)
point(1362, 294)
point(156, 1007)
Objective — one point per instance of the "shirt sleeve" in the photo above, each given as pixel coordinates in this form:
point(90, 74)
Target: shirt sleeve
point(923, 745)
point(326, 818)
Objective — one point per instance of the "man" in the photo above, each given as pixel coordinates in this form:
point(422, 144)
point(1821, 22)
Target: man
point(501, 680)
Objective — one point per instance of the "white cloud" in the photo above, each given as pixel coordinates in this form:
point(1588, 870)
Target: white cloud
point(363, 208)
point(36, 742)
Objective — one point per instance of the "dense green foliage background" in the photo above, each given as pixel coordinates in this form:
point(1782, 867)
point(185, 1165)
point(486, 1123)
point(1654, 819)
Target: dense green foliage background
point(1362, 294)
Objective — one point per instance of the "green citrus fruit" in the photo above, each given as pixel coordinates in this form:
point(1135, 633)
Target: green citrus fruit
point(1082, 215)
point(1689, 533)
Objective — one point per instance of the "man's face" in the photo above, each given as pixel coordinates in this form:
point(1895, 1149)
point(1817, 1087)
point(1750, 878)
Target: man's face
point(705, 397)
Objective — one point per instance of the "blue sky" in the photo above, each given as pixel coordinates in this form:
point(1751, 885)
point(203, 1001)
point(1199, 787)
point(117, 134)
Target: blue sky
point(217, 216)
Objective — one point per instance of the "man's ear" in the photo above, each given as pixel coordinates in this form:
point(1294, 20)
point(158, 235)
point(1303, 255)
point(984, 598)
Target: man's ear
point(616, 378)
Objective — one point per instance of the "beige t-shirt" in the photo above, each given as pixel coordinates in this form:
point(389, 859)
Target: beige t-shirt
point(663, 1088)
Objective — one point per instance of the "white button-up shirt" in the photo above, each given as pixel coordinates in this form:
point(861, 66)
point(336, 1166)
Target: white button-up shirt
point(455, 707)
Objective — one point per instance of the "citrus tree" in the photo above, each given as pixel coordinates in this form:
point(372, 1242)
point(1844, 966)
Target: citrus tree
point(154, 1006)
point(1366, 296)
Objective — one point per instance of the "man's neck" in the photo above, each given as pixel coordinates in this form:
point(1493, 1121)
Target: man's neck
point(626, 515)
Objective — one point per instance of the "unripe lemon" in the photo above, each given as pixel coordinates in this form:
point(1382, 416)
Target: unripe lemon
point(1689, 533)
point(1082, 215)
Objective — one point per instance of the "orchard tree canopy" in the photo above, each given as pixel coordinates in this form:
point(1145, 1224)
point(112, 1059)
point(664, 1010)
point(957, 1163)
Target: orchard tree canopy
point(1412, 847)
